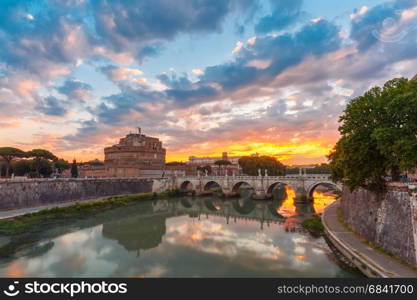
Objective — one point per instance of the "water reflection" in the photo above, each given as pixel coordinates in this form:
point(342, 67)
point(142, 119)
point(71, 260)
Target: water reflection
point(147, 230)
point(322, 199)
point(207, 237)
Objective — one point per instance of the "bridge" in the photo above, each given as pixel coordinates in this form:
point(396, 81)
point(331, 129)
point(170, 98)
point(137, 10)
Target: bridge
point(303, 185)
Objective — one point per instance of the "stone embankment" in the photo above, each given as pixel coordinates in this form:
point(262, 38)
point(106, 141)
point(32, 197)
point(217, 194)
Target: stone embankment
point(388, 220)
point(377, 232)
point(16, 194)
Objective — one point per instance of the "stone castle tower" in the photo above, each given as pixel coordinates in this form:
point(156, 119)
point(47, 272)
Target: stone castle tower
point(133, 153)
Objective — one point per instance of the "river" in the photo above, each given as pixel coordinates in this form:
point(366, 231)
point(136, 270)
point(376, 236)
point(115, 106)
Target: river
point(181, 237)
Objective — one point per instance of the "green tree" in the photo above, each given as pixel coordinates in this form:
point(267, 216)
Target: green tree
point(320, 169)
point(42, 167)
point(204, 169)
point(61, 165)
point(74, 169)
point(378, 136)
point(39, 156)
point(8, 154)
point(22, 167)
point(222, 162)
point(250, 165)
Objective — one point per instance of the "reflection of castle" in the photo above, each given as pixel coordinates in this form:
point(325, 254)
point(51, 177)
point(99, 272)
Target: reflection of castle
point(137, 233)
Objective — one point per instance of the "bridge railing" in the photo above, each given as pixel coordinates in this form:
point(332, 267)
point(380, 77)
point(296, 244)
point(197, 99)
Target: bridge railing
point(245, 177)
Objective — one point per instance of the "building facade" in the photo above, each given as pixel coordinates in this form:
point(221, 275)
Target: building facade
point(136, 155)
point(216, 170)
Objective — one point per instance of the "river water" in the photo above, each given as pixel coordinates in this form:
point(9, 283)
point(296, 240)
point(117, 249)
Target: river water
point(182, 237)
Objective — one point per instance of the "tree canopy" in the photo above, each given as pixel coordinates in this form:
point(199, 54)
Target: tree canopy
point(40, 159)
point(378, 136)
point(318, 169)
point(41, 153)
point(61, 165)
point(250, 165)
point(43, 162)
point(204, 169)
point(8, 154)
point(222, 162)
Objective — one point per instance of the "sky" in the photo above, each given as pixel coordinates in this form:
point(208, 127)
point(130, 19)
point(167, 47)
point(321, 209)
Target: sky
point(205, 76)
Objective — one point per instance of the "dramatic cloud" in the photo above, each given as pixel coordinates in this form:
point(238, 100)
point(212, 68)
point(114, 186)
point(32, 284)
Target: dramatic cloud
point(52, 106)
point(281, 52)
point(284, 13)
point(313, 39)
point(206, 76)
point(122, 26)
point(75, 90)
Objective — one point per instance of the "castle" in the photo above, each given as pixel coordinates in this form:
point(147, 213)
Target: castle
point(136, 155)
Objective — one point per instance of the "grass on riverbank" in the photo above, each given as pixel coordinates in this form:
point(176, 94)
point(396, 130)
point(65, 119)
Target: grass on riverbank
point(25, 223)
point(313, 225)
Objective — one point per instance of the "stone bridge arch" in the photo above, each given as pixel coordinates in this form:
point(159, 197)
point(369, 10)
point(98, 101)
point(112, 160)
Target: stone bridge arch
point(313, 186)
point(274, 185)
point(187, 185)
point(212, 184)
point(262, 185)
point(241, 184)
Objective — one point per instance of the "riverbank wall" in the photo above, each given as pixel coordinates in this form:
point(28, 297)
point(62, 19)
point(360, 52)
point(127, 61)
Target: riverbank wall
point(31, 193)
point(387, 220)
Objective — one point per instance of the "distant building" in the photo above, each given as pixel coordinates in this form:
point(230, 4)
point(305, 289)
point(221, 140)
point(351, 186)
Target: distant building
point(301, 167)
point(92, 169)
point(136, 155)
point(210, 161)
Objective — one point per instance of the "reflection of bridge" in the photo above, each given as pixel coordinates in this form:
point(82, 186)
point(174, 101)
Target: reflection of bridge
point(262, 185)
point(143, 226)
point(242, 209)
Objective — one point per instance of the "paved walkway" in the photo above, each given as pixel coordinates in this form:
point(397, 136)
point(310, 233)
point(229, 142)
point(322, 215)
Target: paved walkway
point(389, 266)
point(22, 211)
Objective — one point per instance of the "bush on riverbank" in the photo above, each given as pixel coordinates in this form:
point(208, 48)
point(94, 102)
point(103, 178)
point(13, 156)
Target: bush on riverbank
point(30, 222)
point(313, 225)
